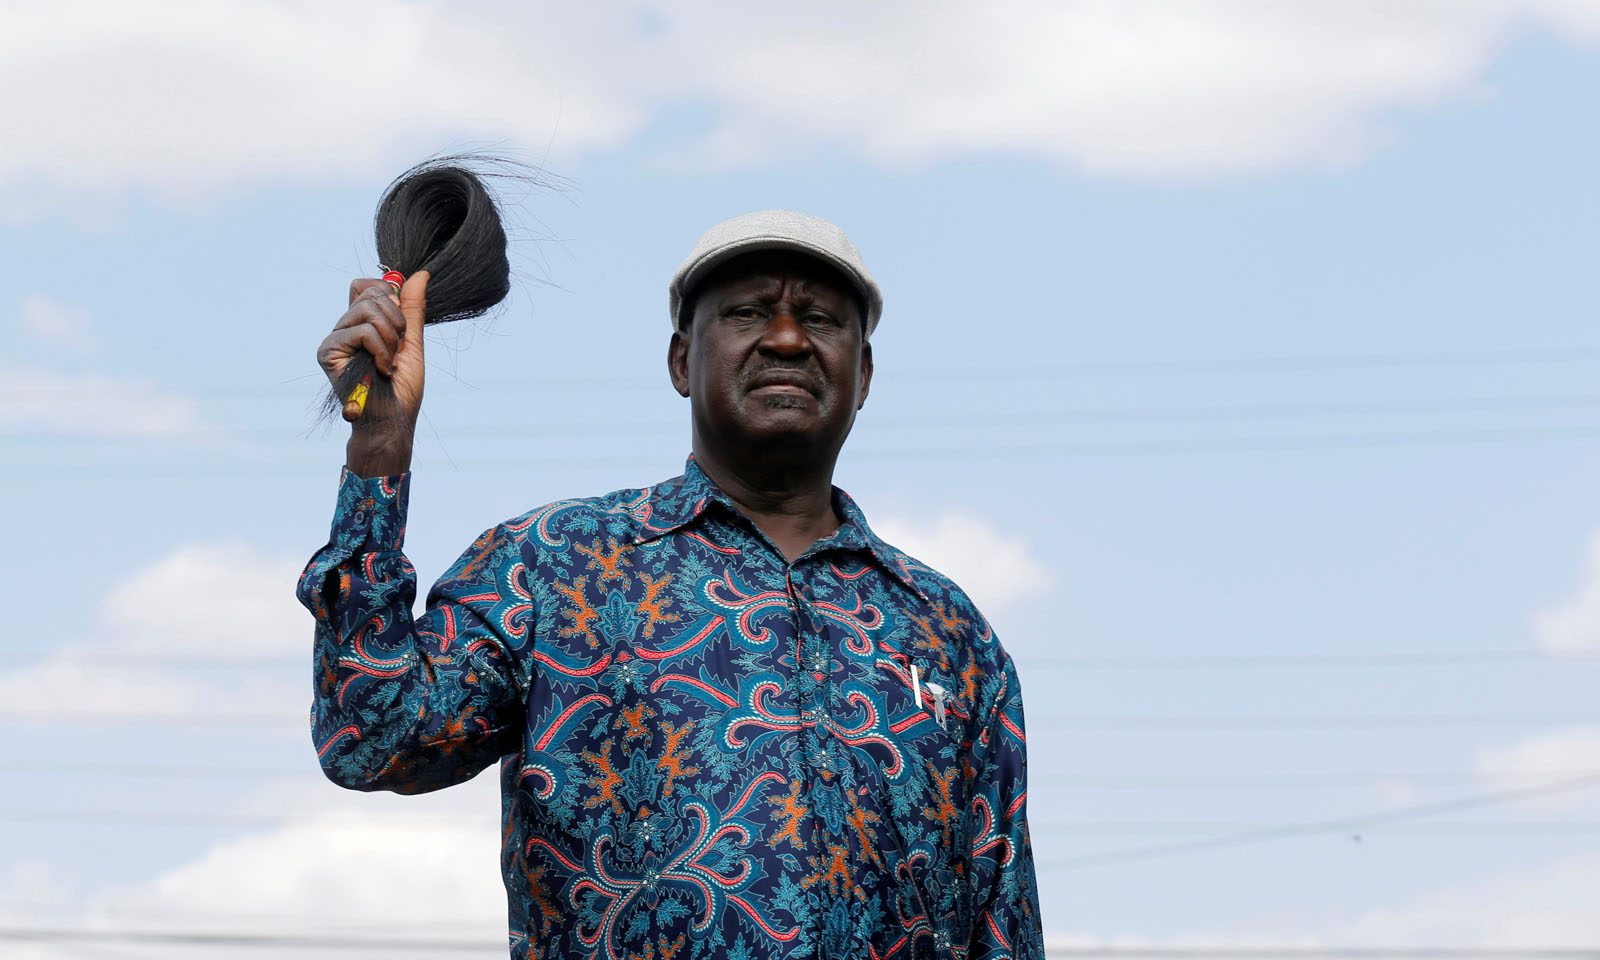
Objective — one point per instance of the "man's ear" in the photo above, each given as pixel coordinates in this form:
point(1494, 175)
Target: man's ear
point(678, 362)
point(866, 374)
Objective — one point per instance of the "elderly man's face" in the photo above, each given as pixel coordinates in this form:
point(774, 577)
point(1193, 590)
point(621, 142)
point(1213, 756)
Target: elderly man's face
point(774, 352)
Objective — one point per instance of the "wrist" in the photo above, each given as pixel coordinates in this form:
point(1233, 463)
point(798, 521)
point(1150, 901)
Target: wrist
point(378, 452)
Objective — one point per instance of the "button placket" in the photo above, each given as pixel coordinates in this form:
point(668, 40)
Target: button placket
point(810, 647)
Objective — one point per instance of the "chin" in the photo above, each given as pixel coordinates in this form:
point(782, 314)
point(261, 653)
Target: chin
point(785, 401)
point(779, 423)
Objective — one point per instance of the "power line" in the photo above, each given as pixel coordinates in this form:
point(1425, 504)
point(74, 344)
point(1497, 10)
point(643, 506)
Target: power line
point(1327, 953)
point(1054, 371)
point(1281, 363)
point(1247, 660)
point(1313, 780)
point(181, 938)
point(282, 941)
point(1192, 413)
point(1334, 825)
point(1189, 722)
point(1201, 722)
point(204, 818)
point(152, 717)
point(166, 771)
point(966, 452)
point(1088, 661)
point(1220, 781)
point(1167, 828)
point(1038, 825)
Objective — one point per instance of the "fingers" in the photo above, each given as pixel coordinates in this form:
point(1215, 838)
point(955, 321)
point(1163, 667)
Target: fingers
point(374, 317)
point(385, 323)
point(365, 286)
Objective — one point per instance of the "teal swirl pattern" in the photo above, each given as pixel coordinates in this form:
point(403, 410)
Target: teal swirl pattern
point(704, 750)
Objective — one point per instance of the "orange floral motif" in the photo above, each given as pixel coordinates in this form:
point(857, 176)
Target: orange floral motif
point(651, 605)
point(607, 563)
point(949, 620)
point(548, 912)
point(608, 780)
point(667, 950)
point(932, 640)
point(791, 813)
point(969, 682)
point(833, 870)
point(671, 760)
point(581, 614)
point(634, 717)
point(945, 808)
point(485, 547)
point(859, 820)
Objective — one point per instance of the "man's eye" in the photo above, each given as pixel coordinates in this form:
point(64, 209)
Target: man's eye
point(818, 318)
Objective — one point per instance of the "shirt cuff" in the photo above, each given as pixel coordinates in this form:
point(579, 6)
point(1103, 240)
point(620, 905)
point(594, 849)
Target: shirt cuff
point(371, 513)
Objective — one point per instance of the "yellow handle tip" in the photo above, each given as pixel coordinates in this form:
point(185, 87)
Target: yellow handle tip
point(358, 396)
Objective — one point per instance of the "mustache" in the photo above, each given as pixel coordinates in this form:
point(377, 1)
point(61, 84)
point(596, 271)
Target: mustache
point(809, 370)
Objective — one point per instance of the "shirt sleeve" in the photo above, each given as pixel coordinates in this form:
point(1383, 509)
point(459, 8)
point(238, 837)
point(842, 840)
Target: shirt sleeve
point(1006, 921)
point(401, 704)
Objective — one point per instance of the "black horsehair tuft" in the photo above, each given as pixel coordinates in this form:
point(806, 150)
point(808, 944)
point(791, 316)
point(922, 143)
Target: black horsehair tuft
point(440, 217)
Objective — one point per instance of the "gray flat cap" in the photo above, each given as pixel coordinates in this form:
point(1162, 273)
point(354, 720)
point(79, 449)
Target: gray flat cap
point(774, 230)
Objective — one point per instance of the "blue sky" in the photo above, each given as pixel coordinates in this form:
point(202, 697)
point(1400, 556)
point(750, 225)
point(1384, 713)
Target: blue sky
point(1238, 358)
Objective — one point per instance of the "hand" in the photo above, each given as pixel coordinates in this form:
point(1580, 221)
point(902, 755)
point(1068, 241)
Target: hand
point(389, 327)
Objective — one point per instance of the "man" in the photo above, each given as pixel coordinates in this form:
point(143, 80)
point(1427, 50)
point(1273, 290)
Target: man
point(731, 721)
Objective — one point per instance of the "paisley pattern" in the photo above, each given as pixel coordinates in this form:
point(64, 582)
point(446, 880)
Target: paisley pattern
point(704, 750)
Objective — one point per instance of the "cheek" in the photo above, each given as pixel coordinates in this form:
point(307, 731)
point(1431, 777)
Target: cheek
point(714, 376)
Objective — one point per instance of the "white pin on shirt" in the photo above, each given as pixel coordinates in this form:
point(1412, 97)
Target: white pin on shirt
point(938, 701)
point(916, 686)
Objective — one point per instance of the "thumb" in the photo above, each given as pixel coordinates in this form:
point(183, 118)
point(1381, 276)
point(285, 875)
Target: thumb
point(413, 304)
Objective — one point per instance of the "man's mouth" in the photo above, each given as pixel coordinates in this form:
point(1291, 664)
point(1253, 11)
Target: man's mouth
point(784, 381)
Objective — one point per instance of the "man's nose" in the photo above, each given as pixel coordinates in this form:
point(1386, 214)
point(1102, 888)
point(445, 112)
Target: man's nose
point(785, 335)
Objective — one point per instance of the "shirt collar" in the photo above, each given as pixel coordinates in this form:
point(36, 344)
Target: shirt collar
point(676, 503)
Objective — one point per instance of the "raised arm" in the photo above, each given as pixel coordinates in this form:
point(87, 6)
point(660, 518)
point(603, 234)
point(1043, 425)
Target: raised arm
point(405, 704)
point(401, 704)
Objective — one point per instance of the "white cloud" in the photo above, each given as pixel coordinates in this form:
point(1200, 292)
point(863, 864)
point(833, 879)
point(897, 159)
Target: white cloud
point(184, 98)
point(315, 872)
point(217, 599)
point(342, 864)
point(1550, 906)
point(39, 401)
point(1545, 758)
point(1573, 627)
point(212, 601)
point(368, 866)
point(1546, 907)
point(56, 324)
point(995, 569)
point(79, 681)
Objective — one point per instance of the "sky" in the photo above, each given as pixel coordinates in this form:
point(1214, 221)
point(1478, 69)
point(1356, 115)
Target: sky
point(1237, 357)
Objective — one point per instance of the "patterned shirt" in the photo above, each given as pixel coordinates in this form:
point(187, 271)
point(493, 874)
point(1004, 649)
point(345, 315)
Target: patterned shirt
point(705, 750)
